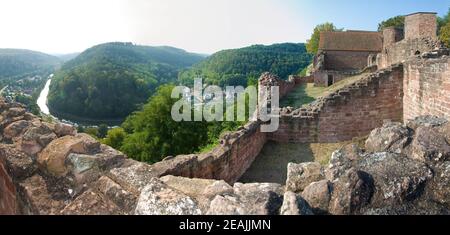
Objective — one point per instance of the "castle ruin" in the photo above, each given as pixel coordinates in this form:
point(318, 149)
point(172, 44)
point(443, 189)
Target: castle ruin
point(50, 169)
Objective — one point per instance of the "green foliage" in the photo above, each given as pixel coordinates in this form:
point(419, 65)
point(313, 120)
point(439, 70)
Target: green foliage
point(92, 131)
point(102, 130)
point(444, 29)
point(236, 67)
point(80, 129)
point(112, 80)
point(398, 22)
point(312, 45)
point(152, 133)
point(115, 138)
point(29, 101)
point(303, 72)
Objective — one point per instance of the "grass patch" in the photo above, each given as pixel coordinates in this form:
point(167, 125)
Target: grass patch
point(271, 165)
point(308, 93)
point(302, 95)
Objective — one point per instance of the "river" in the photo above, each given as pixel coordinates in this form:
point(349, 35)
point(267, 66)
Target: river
point(42, 103)
point(42, 100)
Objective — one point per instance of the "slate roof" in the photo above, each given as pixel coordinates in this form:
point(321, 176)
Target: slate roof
point(351, 41)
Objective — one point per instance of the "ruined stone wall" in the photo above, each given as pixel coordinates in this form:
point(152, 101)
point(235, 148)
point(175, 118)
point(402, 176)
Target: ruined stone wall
point(421, 25)
point(285, 87)
point(346, 60)
point(228, 161)
point(321, 78)
point(7, 192)
point(405, 50)
point(350, 112)
point(427, 87)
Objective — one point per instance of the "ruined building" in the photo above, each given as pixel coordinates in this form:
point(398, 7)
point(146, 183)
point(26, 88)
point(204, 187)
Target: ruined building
point(344, 54)
point(403, 106)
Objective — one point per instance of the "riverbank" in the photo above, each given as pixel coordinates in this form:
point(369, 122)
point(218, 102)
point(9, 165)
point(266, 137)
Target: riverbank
point(48, 111)
point(77, 121)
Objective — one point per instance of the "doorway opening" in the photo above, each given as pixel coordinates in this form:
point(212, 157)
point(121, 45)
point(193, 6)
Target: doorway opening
point(330, 80)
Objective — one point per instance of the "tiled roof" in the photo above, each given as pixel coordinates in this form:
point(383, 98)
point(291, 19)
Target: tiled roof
point(351, 41)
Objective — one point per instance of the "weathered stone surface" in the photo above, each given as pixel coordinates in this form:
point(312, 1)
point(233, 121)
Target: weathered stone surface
point(202, 190)
point(19, 163)
point(91, 203)
point(439, 187)
point(62, 129)
point(249, 199)
point(36, 138)
point(81, 163)
point(110, 158)
point(133, 176)
point(85, 169)
point(218, 188)
point(392, 137)
point(125, 200)
point(53, 157)
point(352, 192)
point(426, 121)
point(341, 161)
point(15, 129)
point(429, 144)
point(159, 199)
point(15, 112)
point(294, 204)
point(446, 132)
point(198, 187)
point(318, 196)
point(397, 178)
point(38, 200)
point(302, 175)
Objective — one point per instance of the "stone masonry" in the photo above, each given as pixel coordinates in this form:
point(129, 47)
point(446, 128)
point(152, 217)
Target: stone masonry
point(49, 169)
point(404, 107)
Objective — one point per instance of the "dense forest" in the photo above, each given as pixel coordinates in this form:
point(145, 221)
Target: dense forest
point(110, 81)
point(18, 63)
point(151, 134)
point(238, 66)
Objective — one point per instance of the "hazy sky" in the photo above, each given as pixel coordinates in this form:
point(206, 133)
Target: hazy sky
point(204, 26)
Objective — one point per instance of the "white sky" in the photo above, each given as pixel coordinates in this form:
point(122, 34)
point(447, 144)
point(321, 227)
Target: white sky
point(204, 26)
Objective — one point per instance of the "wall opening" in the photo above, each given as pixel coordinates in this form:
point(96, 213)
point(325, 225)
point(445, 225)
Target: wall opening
point(330, 80)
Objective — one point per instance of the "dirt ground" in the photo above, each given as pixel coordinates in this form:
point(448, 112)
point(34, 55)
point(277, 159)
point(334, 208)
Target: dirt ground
point(271, 165)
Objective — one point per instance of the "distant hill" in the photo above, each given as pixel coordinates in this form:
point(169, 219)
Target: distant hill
point(67, 57)
point(109, 81)
point(19, 63)
point(237, 66)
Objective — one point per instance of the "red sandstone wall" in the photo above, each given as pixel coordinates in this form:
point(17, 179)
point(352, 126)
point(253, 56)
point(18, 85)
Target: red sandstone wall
point(294, 81)
point(346, 60)
point(420, 25)
point(351, 112)
point(404, 50)
point(321, 77)
point(7, 192)
point(228, 162)
point(427, 88)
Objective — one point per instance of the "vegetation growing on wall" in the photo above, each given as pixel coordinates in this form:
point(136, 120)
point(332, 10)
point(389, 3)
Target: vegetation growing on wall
point(312, 45)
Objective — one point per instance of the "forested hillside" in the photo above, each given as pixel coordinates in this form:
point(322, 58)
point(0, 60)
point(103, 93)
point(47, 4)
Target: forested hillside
point(110, 81)
point(238, 66)
point(17, 63)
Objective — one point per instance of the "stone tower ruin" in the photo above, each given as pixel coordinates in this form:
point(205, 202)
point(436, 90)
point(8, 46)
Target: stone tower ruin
point(421, 25)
